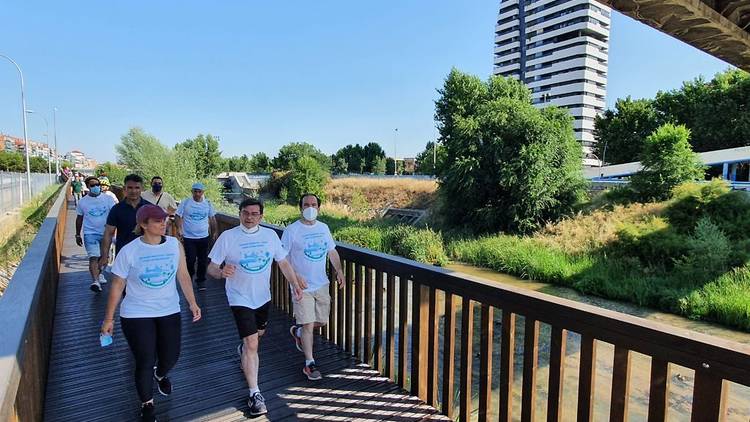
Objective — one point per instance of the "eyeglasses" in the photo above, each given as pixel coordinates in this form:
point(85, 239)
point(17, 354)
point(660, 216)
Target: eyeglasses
point(251, 214)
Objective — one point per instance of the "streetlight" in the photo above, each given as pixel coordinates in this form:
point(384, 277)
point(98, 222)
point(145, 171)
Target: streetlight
point(23, 115)
point(46, 136)
point(57, 155)
point(395, 164)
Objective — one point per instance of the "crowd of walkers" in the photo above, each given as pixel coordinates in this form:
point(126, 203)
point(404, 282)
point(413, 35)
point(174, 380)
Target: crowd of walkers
point(160, 244)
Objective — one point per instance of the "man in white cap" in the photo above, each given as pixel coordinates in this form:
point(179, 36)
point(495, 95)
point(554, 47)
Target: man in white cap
point(196, 226)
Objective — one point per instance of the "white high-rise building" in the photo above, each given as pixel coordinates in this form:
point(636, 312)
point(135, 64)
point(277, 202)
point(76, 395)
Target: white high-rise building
point(559, 49)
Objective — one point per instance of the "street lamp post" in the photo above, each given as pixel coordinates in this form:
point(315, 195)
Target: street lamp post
point(395, 163)
point(23, 116)
point(57, 155)
point(46, 136)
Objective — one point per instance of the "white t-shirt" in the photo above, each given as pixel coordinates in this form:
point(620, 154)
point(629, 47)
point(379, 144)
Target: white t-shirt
point(251, 254)
point(150, 273)
point(111, 195)
point(94, 210)
point(308, 247)
point(195, 217)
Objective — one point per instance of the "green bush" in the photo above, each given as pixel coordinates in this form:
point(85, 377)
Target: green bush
point(726, 300)
point(708, 253)
point(365, 237)
point(307, 176)
point(423, 245)
point(653, 242)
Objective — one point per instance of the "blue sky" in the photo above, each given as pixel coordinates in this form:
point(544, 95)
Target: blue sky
point(262, 74)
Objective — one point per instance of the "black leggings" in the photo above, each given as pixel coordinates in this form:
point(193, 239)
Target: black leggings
point(196, 250)
point(149, 339)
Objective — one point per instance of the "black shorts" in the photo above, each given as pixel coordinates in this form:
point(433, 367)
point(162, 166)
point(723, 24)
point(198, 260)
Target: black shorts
point(249, 321)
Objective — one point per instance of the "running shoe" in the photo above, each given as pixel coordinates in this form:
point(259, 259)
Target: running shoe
point(95, 287)
point(102, 279)
point(312, 372)
point(148, 413)
point(257, 405)
point(239, 349)
point(164, 385)
point(297, 339)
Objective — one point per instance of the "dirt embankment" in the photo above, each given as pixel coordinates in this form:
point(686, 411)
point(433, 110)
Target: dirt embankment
point(381, 193)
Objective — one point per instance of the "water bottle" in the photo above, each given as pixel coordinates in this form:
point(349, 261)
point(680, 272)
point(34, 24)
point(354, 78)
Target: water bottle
point(105, 340)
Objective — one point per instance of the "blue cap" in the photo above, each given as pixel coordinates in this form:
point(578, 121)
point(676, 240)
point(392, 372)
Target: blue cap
point(199, 186)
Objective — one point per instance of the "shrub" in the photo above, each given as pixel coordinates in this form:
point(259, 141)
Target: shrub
point(708, 253)
point(668, 160)
point(366, 237)
point(423, 245)
point(653, 242)
point(307, 176)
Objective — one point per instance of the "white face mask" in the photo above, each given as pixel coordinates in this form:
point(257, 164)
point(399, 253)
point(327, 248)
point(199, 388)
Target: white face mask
point(310, 214)
point(249, 231)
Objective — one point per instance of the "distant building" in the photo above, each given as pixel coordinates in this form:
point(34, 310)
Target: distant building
point(15, 144)
point(559, 49)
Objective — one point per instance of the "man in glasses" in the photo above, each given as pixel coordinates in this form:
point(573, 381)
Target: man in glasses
point(92, 211)
point(196, 225)
point(247, 251)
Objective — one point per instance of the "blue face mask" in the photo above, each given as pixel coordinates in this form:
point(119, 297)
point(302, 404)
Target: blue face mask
point(96, 190)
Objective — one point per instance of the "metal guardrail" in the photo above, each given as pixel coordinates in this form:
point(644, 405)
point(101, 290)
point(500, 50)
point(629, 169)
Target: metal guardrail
point(27, 311)
point(13, 188)
point(399, 335)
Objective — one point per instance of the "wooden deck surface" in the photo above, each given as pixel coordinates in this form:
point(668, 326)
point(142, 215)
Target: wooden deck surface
point(90, 383)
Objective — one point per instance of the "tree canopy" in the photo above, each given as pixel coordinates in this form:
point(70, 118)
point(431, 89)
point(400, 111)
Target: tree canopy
point(508, 165)
point(208, 161)
point(290, 153)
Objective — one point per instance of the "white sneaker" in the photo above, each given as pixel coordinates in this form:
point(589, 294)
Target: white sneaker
point(102, 279)
point(95, 287)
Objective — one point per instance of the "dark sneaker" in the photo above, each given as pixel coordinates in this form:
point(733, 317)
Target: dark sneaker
point(164, 385)
point(201, 285)
point(312, 372)
point(257, 405)
point(95, 287)
point(297, 339)
point(148, 413)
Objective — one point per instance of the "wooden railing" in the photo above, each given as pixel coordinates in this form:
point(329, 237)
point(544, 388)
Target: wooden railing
point(27, 311)
point(389, 315)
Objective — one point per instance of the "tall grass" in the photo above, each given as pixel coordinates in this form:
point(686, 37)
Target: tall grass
point(377, 193)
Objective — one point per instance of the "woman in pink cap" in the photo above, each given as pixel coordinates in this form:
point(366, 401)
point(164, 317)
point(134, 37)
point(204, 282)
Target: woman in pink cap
point(150, 266)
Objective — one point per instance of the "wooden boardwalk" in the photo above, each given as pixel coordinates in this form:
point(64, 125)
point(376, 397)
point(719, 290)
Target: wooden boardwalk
point(90, 383)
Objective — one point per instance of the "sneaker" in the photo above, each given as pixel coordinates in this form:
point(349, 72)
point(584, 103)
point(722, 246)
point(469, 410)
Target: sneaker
point(164, 385)
point(201, 285)
point(239, 349)
point(297, 339)
point(95, 287)
point(257, 405)
point(312, 372)
point(148, 413)
point(102, 279)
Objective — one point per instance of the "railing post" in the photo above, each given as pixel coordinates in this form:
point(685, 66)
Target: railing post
point(467, 357)
point(419, 331)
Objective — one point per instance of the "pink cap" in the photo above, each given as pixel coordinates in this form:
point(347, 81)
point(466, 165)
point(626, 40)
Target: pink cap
point(149, 211)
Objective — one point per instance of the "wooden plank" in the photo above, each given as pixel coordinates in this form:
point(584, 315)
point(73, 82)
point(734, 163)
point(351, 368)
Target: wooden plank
point(349, 315)
point(507, 350)
point(467, 357)
point(403, 309)
point(390, 329)
point(340, 311)
point(618, 407)
point(485, 362)
point(586, 379)
point(709, 396)
point(558, 343)
point(530, 357)
point(659, 390)
point(419, 331)
point(449, 349)
point(378, 343)
point(333, 289)
point(366, 346)
point(358, 287)
point(432, 349)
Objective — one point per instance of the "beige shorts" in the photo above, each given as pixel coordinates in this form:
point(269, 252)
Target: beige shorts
point(314, 306)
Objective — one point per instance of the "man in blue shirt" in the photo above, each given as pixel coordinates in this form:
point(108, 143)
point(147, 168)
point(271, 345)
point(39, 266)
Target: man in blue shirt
point(196, 225)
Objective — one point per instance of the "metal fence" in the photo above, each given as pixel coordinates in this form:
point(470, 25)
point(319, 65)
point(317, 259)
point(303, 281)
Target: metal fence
point(14, 191)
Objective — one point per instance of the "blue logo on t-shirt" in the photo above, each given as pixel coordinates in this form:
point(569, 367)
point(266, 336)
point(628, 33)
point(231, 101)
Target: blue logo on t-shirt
point(98, 211)
point(316, 250)
point(256, 261)
point(158, 270)
point(198, 215)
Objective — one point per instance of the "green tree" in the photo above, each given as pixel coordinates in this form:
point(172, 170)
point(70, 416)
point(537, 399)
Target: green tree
point(668, 160)
point(379, 166)
point(290, 153)
point(621, 133)
point(307, 175)
point(12, 161)
point(38, 165)
point(143, 154)
point(237, 163)
point(206, 150)
point(260, 163)
point(354, 156)
point(389, 166)
point(425, 164)
point(508, 165)
point(340, 166)
point(115, 172)
point(372, 153)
